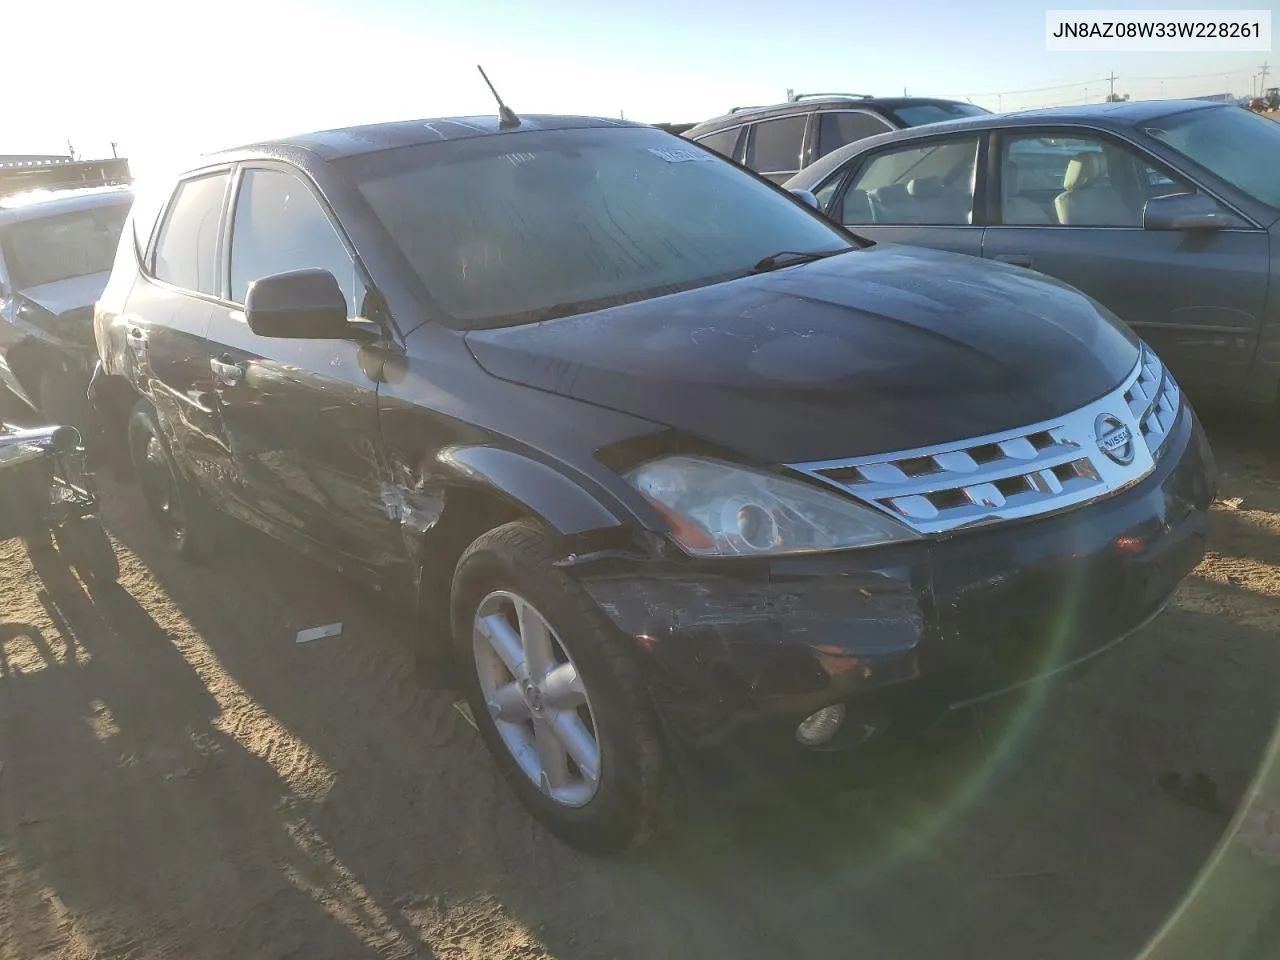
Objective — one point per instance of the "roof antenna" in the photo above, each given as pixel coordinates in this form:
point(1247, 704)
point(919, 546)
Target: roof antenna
point(506, 116)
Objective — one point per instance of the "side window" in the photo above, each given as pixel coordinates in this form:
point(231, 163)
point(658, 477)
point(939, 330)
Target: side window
point(827, 191)
point(775, 145)
point(186, 252)
point(929, 184)
point(280, 226)
point(836, 128)
point(722, 142)
point(1078, 182)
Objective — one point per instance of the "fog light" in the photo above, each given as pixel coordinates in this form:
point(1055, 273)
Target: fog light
point(821, 726)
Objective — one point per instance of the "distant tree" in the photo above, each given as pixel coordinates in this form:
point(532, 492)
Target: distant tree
point(1117, 98)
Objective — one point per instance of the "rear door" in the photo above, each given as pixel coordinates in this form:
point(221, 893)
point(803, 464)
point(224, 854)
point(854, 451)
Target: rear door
point(923, 191)
point(167, 316)
point(1069, 202)
point(299, 416)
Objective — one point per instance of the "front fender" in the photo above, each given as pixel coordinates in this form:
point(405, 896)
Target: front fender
point(539, 489)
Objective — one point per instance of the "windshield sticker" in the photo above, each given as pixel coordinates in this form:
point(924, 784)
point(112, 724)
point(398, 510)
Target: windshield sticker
point(680, 154)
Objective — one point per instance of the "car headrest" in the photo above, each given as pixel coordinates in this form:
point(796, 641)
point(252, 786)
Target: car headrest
point(890, 193)
point(1083, 170)
point(857, 208)
point(922, 188)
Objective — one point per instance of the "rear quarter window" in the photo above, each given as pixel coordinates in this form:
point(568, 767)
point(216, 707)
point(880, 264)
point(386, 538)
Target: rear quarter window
point(724, 143)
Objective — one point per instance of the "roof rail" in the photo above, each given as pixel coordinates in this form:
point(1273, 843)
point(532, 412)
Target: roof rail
point(758, 106)
point(60, 173)
point(822, 96)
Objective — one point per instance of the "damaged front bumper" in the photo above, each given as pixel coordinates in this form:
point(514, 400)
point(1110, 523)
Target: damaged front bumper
point(745, 649)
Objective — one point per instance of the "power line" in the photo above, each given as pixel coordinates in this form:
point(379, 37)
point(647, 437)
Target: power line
point(1008, 93)
point(1108, 79)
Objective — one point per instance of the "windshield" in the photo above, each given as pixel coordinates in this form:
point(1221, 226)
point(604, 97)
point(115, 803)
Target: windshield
point(1236, 145)
point(69, 245)
point(917, 115)
point(504, 229)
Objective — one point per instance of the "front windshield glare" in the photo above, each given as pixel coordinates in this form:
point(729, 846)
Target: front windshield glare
point(504, 228)
point(1237, 145)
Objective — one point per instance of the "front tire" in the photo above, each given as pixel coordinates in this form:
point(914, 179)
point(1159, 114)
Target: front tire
point(556, 694)
point(185, 520)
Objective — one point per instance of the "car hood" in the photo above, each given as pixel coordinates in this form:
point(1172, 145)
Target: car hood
point(879, 350)
point(74, 293)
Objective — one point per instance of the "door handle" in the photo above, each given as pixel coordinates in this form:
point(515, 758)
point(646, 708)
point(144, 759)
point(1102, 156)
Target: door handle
point(1017, 259)
point(226, 373)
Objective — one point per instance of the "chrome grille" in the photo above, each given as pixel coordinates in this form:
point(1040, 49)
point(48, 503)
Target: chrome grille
point(1032, 470)
point(1153, 399)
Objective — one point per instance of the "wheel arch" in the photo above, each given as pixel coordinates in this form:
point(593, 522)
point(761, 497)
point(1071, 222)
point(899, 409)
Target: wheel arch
point(113, 398)
point(489, 487)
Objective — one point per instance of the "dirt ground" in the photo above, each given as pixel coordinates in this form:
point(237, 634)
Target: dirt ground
point(181, 779)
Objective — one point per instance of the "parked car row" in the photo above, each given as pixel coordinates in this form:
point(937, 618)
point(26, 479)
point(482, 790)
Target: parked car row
point(1166, 212)
point(669, 463)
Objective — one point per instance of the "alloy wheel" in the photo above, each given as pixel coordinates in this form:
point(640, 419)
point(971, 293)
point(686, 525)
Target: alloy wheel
point(537, 698)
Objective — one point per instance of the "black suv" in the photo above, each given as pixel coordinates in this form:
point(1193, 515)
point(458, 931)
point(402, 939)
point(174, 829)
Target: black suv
point(677, 463)
point(780, 140)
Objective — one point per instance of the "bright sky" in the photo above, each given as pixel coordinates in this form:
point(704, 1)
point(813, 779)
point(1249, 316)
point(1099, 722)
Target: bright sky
point(165, 82)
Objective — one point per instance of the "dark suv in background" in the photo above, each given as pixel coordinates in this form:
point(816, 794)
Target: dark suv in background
point(780, 140)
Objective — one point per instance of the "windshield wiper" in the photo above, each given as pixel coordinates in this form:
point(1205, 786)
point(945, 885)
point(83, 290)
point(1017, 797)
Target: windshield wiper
point(791, 258)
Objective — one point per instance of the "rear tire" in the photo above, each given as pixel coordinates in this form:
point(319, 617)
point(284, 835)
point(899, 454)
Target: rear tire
point(535, 730)
point(186, 521)
point(85, 546)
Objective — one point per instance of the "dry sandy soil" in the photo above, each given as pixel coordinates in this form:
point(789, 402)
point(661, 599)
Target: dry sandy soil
point(181, 779)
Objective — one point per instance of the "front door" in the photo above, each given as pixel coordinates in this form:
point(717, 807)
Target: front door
point(299, 417)
point(1071, 205)
point(921, 192)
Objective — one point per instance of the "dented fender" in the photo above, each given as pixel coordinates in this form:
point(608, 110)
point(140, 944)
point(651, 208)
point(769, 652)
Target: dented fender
point(547, 493)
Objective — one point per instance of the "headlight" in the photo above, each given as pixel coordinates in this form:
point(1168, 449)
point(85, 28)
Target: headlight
point(720, 510)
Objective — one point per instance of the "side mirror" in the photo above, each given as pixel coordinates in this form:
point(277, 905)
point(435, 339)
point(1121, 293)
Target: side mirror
point(1185, 211)
point(299, 305)
point(808, 197)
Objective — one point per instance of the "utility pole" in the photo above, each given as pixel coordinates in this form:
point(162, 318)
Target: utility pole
point(1262, 78)
point(1112, 80)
